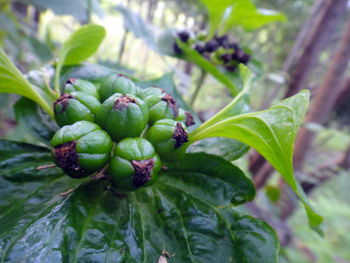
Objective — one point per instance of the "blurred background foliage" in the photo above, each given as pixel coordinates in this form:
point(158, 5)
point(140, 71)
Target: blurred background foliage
point(288, 56)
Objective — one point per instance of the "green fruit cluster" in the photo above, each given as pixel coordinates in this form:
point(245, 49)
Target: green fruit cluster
point(119, 128)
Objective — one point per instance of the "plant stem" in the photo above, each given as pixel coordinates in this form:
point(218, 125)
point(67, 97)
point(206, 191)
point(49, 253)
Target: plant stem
point(57, 78)
point(122, 45)
point(200, 82)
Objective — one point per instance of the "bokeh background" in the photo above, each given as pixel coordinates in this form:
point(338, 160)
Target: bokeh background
point(311, 50)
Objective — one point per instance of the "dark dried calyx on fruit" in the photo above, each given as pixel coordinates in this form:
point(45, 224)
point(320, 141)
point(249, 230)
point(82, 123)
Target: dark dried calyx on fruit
point(180, 135)
point(81, 149)
point(123, 116)
point(189, 121)
point(62, 103)
point(161, 105)
point(67, 158)
point(76, 106)
point(168, 138)
point(134, 164)
point(171, 104)
point(143, 170)
point(122, 102)
point(185, 117)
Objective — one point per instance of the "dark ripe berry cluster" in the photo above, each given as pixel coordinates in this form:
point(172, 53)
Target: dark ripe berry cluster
point(219, 50)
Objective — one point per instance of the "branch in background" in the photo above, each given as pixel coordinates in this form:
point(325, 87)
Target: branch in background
point(200, 82)
point(297, 48)
point(325, 97)
point(263, 174)
point(122, 46)
point(325, 25)
point(328, 170)
point(344, 94)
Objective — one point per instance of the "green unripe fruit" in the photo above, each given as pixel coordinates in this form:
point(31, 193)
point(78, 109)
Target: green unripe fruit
point(185, 117)
point(81, 149)
point(134, 164)
point(160, 104)
point(116, 83)
point(168, 138)
point(151, 95)
point(123, 116)
point(73, 84)
point(76, 106)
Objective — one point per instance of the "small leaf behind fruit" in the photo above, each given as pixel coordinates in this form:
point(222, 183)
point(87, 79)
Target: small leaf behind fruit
point(36, 123)
point(79, 46)
point(12, 81)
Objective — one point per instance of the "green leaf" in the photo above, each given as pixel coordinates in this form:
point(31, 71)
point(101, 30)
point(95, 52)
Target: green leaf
point(257, 245)
point(79, 46)
point(226, 148)
point(272, 133)
point(166, 82)
point(246, 15)
point(12, 81)
point(209, 178)
point(229, 13)
point(216, 10)
point(240, 104)
point(37, 124)
point(93, 224)
point(90, 72)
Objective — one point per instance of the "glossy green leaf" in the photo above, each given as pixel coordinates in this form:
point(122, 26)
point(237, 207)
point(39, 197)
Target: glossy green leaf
point(79, 46)
point(257, 245)
point(209, 178)
point(36, 122)
point(227, 148)
point(272, 133)
point(239, 105)
point(12, 81)
point(226, 14)
point(94, 224)
point(90, 72)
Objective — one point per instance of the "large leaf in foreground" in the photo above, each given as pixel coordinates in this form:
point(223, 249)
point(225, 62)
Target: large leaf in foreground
point(94, 224)
point(35, 122)
point(13, 81)
point(272, 133)
point(227, 148)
